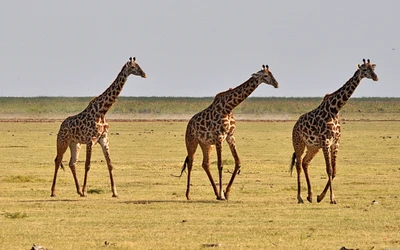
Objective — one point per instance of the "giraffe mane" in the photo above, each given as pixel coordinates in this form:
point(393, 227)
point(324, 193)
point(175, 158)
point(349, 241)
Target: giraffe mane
point(231, 89)
point(223, 92)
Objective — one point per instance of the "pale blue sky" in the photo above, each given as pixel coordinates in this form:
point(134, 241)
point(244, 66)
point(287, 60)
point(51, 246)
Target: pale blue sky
point(196, 48)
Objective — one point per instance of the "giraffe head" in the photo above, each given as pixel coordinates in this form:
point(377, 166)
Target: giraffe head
point(265, 76)
point(134, 68)
point(367, 70)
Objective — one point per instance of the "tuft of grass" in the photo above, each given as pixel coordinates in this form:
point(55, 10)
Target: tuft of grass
point(16, 215)
point(95, 191)
point(19, 179)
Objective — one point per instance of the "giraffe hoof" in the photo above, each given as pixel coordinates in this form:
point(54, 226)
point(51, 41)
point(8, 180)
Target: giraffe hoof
point(333, 202)
point(226, 195)
point(309, 199)
point(220, 198)
point(319, 198)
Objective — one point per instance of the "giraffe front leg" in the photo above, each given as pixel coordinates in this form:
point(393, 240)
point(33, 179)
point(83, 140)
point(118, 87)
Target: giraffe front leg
point(103, 141)
point(329, 173)
point(334, 154)
point(87, 168)
point(232, 145)
point(218, 147)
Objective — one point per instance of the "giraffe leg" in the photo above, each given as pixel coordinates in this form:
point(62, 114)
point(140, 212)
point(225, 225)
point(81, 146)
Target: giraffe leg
point(218, 148)
point(310, 154)
point(299, 147)
point(330, 174)
point(207, 149)
point(103, 141)
point(191, 149)
point(334, 153)
point(74, 148)
point(62, 146)
point(298, 170)
point(87, 167)
point(232, 145)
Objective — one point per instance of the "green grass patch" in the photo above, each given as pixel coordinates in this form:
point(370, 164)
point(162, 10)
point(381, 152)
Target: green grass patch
point(21, 179)
point(281, 108)
point(95, 191)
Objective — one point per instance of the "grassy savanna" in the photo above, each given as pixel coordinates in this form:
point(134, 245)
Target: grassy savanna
point(273, 108)
point(152, 212)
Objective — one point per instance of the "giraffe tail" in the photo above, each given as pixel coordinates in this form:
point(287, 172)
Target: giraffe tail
point(183, 167)
point(292, 163)
point(62, 166)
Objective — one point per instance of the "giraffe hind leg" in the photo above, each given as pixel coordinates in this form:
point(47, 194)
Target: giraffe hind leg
point(191, 147)
point(74, 148)
point(299, 148)
point(207, 149)
point(310, 154)
point(61, 148)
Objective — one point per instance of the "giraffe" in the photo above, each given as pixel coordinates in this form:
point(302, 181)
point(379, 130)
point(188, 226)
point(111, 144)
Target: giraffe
point(320, 128)
point(90, 127)
point(215, 124)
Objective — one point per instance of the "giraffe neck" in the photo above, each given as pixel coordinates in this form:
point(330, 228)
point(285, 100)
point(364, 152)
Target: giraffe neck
point(229, 99)
point(339, 98)
point(101, 104)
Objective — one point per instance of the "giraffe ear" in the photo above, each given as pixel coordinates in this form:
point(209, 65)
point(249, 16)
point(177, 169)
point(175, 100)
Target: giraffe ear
point(373, 66)
point(358, 66)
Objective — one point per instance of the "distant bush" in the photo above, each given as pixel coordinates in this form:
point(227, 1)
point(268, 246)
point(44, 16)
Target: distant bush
point(258, 106)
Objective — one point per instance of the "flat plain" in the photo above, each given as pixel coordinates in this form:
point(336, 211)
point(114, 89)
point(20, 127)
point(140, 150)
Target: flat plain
point(152, 212)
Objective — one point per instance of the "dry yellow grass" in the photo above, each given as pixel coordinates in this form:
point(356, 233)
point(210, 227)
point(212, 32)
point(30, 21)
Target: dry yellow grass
point(152, 212)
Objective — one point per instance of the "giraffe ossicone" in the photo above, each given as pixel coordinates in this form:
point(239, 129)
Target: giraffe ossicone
point(90, 127)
